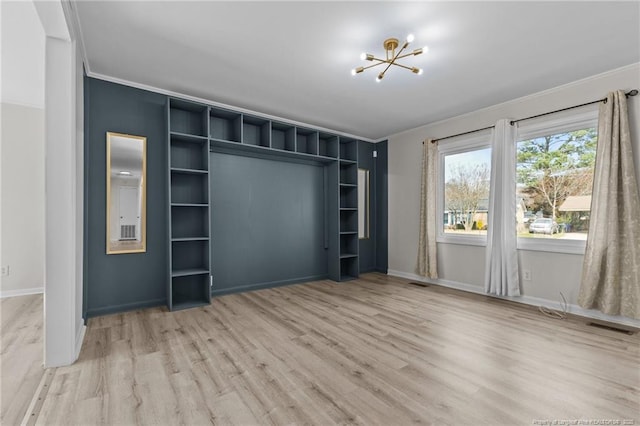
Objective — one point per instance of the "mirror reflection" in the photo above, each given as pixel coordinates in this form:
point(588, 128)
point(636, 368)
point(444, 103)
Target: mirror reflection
point(126, 193)
point(363, 203)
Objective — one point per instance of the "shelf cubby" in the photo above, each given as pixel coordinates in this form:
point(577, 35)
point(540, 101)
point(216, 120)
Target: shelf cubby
point(348, 245)
point(225, 125)
point(189, 188)
point(349, 220)
point(188, 222)
point(348, 149)
point(348, 197)
point(306, 141)
point(328, 145)
point(283, 136)
point(189, 152)
point(188, 118)
point(189, 257)
point(256, 131)
point(190, 291)
point(348, 173)
point(348, 268)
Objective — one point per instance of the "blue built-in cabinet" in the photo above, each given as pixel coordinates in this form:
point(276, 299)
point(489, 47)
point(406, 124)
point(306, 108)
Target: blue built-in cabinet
point(277, 223)
point(235, 202)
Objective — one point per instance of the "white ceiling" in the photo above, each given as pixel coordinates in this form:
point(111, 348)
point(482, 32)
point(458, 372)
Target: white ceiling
point(293, 59)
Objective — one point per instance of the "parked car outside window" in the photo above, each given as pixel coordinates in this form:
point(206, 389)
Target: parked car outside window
point(544, 226)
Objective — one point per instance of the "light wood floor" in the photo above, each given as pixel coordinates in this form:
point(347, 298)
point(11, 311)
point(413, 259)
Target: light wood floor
point(21, 355)
point(373, 351)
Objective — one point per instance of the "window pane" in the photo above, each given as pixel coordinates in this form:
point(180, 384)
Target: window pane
point(554, 181)
point(466, 192)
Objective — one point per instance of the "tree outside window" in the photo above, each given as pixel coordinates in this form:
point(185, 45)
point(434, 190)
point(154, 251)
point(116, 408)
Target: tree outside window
point(555, 179)
point(466, 192)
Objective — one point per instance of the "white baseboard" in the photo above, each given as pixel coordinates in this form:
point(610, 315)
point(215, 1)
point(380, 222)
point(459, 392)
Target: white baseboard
point(21, 292)
point(79, 339)
point(527, 300)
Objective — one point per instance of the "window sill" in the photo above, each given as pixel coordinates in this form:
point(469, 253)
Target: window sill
point(462, 240)
point(553, 246)
point(550, 246)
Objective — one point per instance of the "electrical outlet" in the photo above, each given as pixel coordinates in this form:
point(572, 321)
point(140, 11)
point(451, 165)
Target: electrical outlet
point(5, 270)
point(526, 275)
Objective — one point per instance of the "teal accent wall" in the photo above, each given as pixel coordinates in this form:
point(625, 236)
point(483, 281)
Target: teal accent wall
point(267, 223)
point(121, 282)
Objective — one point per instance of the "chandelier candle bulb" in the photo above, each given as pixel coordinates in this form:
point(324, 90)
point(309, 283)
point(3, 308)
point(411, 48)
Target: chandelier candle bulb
point(410, 38)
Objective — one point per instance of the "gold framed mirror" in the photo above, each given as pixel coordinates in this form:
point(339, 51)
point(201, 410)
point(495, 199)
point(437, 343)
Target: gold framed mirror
point(126, 193)
point(363, 204)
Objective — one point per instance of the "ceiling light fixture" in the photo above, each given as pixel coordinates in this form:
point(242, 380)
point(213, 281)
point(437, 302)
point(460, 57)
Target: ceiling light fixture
point(390, 45)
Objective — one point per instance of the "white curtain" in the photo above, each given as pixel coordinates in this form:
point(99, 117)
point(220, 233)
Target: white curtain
point(427, 259)
point(611, 269)
point(501, 276)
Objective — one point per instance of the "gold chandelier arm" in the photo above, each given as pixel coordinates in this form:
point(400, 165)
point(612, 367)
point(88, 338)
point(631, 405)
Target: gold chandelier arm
point(406, 55)
point(381, 60)
point(393, 60)
point(371, 66)
point(402, 66)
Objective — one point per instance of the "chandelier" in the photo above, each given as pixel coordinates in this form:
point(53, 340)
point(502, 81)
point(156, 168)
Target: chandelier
point(390, 45)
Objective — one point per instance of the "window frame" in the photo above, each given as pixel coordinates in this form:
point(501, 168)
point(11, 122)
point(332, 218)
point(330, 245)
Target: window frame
point(559, 123)
point(460, 145)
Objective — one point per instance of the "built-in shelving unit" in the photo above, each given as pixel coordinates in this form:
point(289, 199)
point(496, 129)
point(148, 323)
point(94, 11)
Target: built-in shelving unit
point(189, 248)
point(348, 208)
point(195, 130)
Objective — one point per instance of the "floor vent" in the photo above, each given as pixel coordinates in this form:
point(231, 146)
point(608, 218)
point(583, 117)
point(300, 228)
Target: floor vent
point(419, 284)
point(608, 327)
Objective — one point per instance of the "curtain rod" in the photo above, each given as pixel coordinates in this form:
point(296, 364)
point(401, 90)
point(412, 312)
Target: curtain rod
point(629, 93)
point(633, 92)
point(460, 134)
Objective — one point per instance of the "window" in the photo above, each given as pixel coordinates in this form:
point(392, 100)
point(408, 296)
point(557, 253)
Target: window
point(555, 160)
point(554, 171)
point(465, 173)
point(363, 204)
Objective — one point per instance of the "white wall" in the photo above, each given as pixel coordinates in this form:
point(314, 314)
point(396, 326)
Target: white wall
point(463, 266)
point(22, 148)
point(79, 211)
point(22, 54)
point(22, 199)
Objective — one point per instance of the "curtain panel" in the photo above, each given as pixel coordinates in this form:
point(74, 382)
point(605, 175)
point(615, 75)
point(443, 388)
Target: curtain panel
point(427, 257)
point(611, 269)
point(501, 272)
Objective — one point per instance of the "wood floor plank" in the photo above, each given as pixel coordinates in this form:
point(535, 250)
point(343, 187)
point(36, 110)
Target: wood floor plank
point(21, 354)
point(376, 350)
